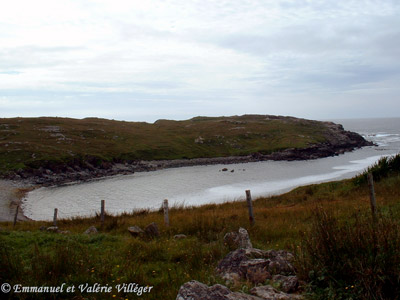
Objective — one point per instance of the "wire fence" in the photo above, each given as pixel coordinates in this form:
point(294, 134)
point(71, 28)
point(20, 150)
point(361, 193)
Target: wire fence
point(84, 212)
point(163, 206)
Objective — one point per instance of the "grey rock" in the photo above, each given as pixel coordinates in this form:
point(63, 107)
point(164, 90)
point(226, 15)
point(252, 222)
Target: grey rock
point(194, 290)
point(281, 253)
point(255, 270)
point(91, 230)
point(280, 265)
point(254, 265)
point(267, 292)
point(52, 229)
point(180, 236)
point(238, 239)
point(152, 230)
point(135, 231)
point(231, 240)
point(244, 239)
point(199, 140)
point(288, 284)
point(229, 267)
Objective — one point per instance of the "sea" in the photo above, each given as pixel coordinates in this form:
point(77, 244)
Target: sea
point(199, 185)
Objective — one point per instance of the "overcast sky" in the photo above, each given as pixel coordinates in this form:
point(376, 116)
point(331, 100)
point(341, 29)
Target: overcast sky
point(145, 60)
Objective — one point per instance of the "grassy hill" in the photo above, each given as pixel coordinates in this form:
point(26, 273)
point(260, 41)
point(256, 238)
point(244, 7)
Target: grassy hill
point(31, 143)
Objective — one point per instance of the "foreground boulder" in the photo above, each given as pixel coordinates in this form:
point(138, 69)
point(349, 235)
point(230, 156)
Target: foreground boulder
point(194, 290)
point(252, 265)
point(288, 284)
point(267, 292)
point(255, 265)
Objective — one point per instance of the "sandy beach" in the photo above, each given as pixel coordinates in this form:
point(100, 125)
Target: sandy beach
point(9, 200)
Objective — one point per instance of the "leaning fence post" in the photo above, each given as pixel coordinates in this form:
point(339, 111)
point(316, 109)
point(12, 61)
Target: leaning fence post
point(372, 194)
point(55, 217)
point(166, 216)
point(102, 212)
point(250, 206)
point(16, 215)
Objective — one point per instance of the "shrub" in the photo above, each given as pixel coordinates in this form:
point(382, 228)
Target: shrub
point(383, 168)
point(352, 259)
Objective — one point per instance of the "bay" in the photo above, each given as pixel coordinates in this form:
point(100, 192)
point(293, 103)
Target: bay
point(198, 185)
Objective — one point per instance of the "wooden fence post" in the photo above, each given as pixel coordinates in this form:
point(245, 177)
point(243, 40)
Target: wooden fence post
point(102, 212)
point(372, 194)
point(166, 216)
point(250, 206)
point(16, 215)
point(55, 217)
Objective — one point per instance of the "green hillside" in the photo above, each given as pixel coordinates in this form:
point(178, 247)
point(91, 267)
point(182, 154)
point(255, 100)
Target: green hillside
point(34, 142)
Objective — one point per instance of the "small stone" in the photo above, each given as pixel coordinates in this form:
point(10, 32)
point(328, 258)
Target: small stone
point(199, 140)
point(152, 230)
point(91, 230)
point(52, 229)
point(42, 228)
point(180, 236)
point(135, 231)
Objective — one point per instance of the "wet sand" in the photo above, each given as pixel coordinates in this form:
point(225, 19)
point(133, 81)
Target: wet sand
point(10, 197)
